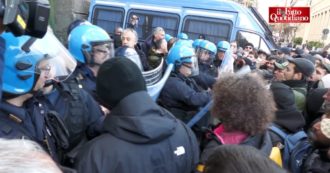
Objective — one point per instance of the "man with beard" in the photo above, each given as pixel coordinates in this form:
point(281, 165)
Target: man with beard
point(154, 41)
point(319, 160)
point(295, 74)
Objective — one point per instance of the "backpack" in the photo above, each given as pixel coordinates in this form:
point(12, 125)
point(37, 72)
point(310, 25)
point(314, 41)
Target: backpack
point(295, 150)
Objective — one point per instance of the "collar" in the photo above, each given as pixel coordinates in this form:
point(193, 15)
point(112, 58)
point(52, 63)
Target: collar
point(296, 83)
point(18, 114)
point(87, 72)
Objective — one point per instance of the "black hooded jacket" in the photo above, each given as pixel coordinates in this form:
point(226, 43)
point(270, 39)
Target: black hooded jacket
point(140, 137)
point(288, 117)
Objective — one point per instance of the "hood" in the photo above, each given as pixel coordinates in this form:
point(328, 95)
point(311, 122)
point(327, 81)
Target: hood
point(291, 120)
point(262, 142)
point(138, 119)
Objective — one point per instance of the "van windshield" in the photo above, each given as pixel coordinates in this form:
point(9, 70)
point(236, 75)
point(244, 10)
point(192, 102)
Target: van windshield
point(248, 37)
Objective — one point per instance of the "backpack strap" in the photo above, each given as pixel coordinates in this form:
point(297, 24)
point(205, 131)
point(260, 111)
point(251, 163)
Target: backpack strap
point(278, 131)
point(284, 136)
point(297, 136)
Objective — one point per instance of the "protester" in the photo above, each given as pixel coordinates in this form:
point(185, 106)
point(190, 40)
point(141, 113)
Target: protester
point(140, 137)
point(245, 109)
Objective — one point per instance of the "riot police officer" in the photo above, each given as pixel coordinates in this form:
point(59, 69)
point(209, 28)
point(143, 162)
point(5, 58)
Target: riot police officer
point(207, 71)
point(29, 22)
point(181, 95)
point(90, 45)
point(222, 47)
point(28, 65)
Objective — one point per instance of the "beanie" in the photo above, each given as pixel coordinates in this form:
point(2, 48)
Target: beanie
point(117, 78)
point(304, 66)
point(325, 127)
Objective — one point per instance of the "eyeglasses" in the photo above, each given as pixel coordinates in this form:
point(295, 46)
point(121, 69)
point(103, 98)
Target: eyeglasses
point(45, 69)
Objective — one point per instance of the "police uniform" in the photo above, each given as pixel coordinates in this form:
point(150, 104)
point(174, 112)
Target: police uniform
point(80, 112)
point(182, 96)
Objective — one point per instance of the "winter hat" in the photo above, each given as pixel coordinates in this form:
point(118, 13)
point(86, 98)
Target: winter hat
point(325, 127)
point(117, 78)
point(299, 51)
point(284, 50)
point(281, 63)
point(306, 67)
point(310, 58)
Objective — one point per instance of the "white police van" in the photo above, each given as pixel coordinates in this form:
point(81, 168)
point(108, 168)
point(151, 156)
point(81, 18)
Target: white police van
point(216, 19)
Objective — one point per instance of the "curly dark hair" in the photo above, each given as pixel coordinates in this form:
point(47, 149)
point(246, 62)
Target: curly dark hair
point(243, 103)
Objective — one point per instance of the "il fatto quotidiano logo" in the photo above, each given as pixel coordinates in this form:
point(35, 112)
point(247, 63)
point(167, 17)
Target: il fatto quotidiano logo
point(289, 14)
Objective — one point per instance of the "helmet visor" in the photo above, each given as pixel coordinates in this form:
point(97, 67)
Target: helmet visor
point(58, 61)
point(195, 68)
point(205, 55)
point(105, 47)
point(193, 65)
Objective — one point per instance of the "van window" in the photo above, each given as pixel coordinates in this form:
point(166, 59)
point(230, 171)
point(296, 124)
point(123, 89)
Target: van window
point(108, 18)
point(264, 47)
point(245, 37)
point(148, 20)
point(213, 29)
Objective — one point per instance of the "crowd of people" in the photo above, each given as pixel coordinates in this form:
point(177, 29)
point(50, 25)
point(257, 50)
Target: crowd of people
point(86, 106)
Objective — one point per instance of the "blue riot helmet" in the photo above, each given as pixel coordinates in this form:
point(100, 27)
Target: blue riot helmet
point(196, 43)
point(186, 43)
point(85, 41)
point(207, 51)
point(182, 36)
point(28, 59)
point(223, 46)
point(196, 46)
point(183, 55)
point(168, 37)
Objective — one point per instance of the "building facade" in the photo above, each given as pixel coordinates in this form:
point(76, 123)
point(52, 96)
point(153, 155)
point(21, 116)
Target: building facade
point(319, 23)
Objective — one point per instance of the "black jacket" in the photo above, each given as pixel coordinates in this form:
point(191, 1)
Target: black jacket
point(140, 137)
point(316, 164)
point(182, 96)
